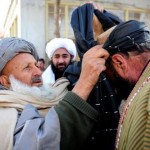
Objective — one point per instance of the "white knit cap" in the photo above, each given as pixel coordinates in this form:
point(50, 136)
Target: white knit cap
point(56, 43)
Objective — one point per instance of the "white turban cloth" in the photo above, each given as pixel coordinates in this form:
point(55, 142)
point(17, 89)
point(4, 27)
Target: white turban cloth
point(56, 43)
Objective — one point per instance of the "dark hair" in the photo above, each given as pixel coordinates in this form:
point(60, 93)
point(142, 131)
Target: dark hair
point(42, 59)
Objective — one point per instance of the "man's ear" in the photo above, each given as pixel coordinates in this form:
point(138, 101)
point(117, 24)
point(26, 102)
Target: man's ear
point(4, 80)
point(120, 64)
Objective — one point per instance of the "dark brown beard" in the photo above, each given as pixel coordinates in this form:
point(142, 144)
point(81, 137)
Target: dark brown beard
point(122, 86)
point(58, 73)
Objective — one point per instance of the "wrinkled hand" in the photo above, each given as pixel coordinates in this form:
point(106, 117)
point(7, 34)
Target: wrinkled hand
point(92, 65)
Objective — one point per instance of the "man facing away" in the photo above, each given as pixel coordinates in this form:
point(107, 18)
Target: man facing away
point(128, 68)
point(27, 121)
point(61, 52)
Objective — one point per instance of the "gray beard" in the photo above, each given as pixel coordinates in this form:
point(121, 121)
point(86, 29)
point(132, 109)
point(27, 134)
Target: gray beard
point(44, 92)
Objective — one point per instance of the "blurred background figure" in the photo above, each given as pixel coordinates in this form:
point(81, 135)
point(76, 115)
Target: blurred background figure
point(61, 53)
point(41, 64)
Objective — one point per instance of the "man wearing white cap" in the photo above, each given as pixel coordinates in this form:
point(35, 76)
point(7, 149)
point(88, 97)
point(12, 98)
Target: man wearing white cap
point(61, 52)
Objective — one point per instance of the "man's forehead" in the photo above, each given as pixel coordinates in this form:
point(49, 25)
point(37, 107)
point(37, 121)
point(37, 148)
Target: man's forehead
point(61, 51)
point(21, 58)
point(24, 55)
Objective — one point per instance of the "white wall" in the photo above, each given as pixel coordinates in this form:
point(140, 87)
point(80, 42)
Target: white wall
point(136, 3)
point(33, 23)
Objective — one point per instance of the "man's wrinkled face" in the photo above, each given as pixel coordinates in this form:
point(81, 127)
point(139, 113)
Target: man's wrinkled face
point(125, 76)
point(61, 59)
point(24, 68)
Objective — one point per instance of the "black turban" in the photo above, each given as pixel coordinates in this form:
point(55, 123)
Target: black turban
point(127, 36)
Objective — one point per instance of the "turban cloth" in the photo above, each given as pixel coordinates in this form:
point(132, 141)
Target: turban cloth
point(127, 36)
point(10, 47)
point(103, 97)
point(81, 22)
point(56, 43)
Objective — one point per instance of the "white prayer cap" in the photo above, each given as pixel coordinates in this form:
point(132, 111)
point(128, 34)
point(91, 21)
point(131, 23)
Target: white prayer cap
point(56, 43)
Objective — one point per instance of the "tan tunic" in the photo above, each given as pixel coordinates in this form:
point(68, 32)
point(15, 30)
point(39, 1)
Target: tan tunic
point(134, 126)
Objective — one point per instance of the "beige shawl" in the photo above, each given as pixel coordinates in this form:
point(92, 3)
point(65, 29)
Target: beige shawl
point(11, 101)
point(133, 131)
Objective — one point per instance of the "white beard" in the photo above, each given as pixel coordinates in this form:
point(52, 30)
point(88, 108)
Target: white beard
point(44, 91)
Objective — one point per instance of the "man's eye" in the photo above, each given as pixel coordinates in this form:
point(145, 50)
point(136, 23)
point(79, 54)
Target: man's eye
point(56, 56)
point(66, 56)
point(27, 68)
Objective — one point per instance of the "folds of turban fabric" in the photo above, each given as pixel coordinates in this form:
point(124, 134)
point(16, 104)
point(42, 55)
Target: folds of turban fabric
point(127, 36)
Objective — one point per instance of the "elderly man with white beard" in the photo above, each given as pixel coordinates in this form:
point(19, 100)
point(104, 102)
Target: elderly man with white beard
point(36, 116)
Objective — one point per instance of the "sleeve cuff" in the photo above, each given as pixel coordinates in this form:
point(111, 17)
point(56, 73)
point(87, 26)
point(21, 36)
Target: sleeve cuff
point(80, 104)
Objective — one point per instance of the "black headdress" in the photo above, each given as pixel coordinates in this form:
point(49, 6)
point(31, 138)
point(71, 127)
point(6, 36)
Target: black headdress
point(127, 36)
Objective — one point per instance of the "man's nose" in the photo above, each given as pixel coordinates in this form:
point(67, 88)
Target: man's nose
point(37, 71)
point(61, 60)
